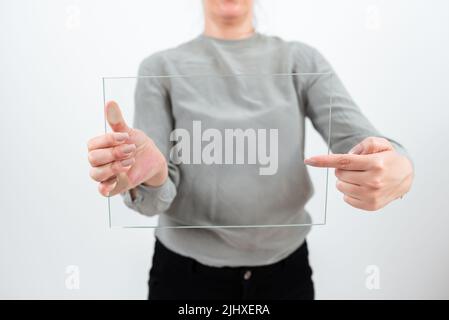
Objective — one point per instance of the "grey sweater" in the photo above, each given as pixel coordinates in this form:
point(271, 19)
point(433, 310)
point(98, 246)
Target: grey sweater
point(205, 194)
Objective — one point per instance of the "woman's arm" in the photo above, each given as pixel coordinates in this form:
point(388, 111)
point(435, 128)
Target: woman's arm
point(378, 169)
point(134, 161)
point(153, 116)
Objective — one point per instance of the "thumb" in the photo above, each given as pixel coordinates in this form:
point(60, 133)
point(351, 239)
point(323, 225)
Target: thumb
point(114, 117)
point(372, 145)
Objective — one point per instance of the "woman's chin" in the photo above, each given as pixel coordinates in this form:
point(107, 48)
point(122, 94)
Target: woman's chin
point(232, 11)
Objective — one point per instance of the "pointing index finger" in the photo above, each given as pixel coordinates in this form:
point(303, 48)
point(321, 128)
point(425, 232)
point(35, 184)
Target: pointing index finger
point(340, 161)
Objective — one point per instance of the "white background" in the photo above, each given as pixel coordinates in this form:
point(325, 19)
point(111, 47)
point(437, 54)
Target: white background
point(392, 56)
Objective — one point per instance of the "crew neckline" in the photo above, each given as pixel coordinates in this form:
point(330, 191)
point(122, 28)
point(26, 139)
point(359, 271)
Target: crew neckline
point(231, 42)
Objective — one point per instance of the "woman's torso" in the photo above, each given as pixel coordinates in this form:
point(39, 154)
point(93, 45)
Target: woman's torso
point(261, 100)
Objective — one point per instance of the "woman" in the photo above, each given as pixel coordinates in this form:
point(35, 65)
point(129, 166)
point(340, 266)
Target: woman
point(239, 263)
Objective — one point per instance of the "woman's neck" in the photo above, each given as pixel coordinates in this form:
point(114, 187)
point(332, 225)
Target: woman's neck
point(229, 29)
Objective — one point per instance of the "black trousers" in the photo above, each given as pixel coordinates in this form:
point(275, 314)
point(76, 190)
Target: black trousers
point(175, 277)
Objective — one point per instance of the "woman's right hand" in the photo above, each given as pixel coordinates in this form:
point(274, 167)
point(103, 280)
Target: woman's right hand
point(125, 157)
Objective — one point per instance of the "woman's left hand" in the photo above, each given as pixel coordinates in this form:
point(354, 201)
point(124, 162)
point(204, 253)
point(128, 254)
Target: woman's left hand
point(371, 175)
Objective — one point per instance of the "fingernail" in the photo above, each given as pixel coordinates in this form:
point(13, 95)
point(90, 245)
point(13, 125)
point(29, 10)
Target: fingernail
point(113, 113)
point(112, 187)
point(127, 162)
point(128, 148)
point(121, 136)
point(356, 150)
point(309, 161)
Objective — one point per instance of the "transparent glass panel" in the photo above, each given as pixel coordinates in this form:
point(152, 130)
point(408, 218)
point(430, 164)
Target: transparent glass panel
point(235, 145)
